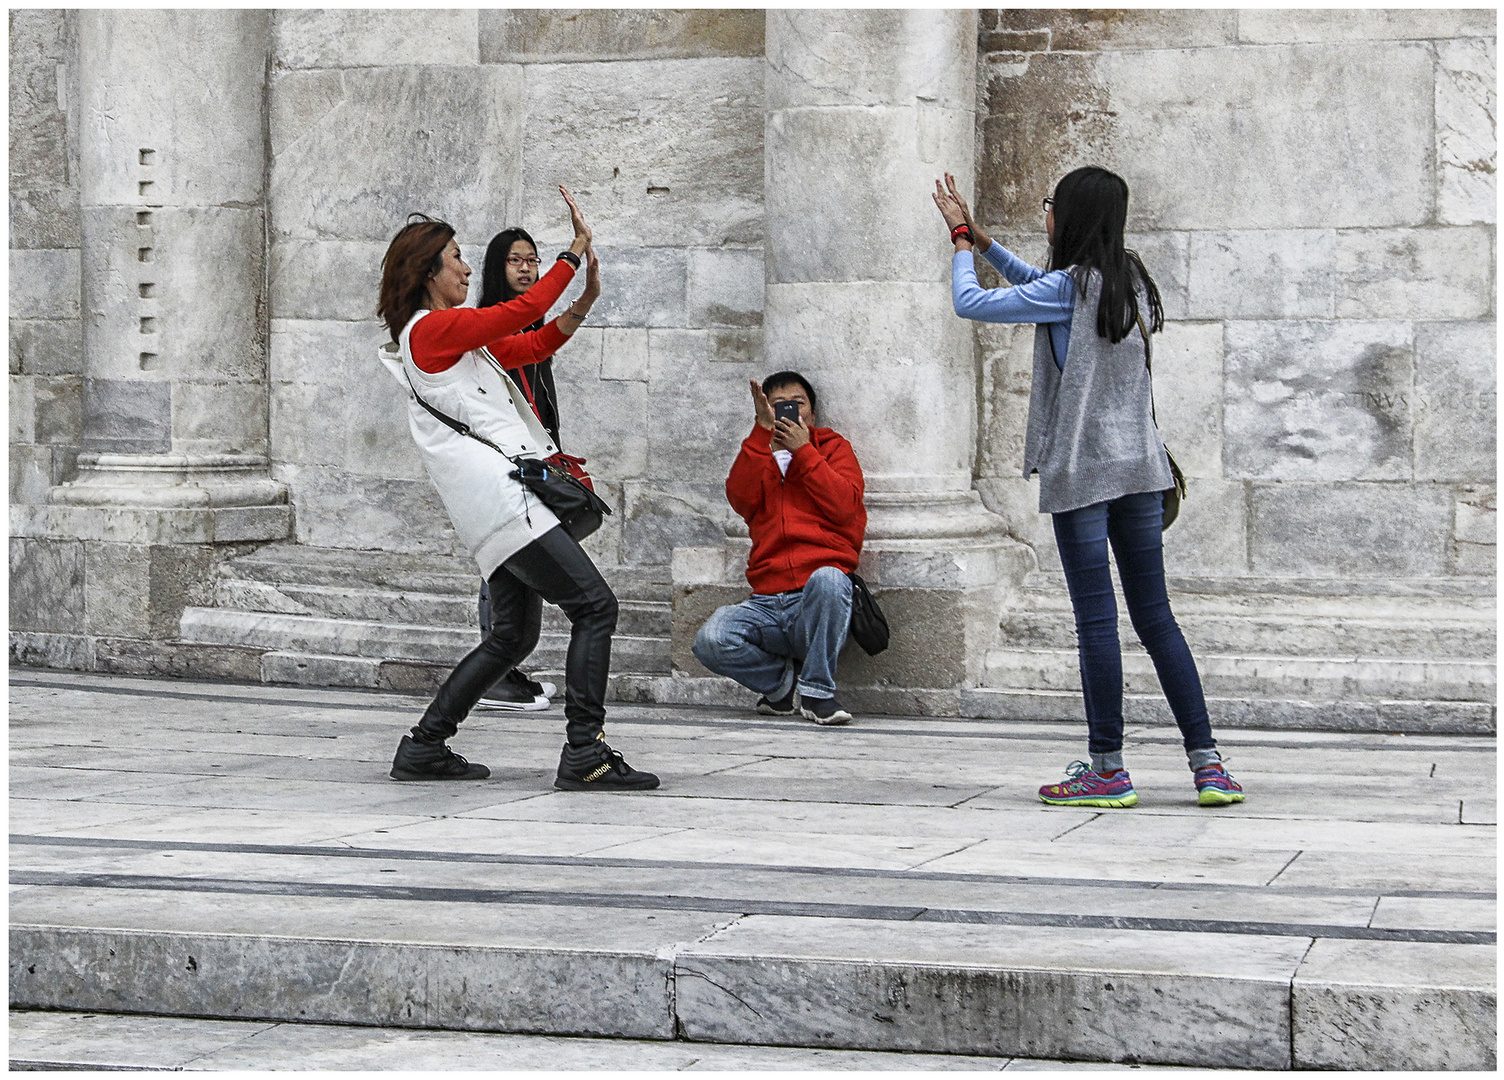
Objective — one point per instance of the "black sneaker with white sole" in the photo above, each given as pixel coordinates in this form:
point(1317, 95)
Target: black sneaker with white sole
point(432, 761)
point(823, 710)
point(514, 692)
point(597, 767)
point(784, 706)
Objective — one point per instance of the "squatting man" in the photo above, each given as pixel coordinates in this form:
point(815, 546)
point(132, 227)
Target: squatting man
point(799, 488)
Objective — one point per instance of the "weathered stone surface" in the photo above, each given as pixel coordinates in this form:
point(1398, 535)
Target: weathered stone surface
point(166, 306)
point(193, 83)
point(117, 590)
point(1369, 1004)
point(1466, 136)
point(1211, 534)
point(1318, 400)
point(1349, 530)
point(605, 421)
point(338, 509)
point(127, 417)
point(1413, 273)
point(59, 409)
point(668, 148)
point(693, 604)
point(1188, 394)
point(1008, 352)
point(46, 346)
point(1266, 26)
point(926, 646)
point(414, 130)
point(622, 34)
point(1268, 274)
point(622, 354)
point(23, 410)
point(72, 652)
point(1366, 105)
point(44, 284)
point(660, 516)
point(698, 412)
point(43, 131)
point(725, 286)
point(815, 225)
point(874, 57)
point(1020, 29)
point(33, 471)
point(1456, 401)
point(221, 417)
point(336, 38)
point(648, 286)
point(1474, 531)
point(47, 585)
point(328, 279)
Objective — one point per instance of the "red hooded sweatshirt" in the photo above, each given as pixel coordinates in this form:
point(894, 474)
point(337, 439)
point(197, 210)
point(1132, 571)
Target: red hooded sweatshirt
point(812, 517)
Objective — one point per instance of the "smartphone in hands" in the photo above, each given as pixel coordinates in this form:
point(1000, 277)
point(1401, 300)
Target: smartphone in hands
point(786, 410)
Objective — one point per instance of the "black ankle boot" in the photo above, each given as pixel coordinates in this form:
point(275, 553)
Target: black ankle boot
point(432, 761)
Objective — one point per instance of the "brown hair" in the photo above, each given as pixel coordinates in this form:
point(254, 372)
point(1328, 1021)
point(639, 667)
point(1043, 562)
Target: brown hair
point(415, 255)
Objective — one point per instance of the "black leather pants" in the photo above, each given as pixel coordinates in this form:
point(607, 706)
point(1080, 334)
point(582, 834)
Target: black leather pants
point(556, 568)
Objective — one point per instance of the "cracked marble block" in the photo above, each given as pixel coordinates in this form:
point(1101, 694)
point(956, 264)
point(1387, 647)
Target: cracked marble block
point(325, 38)
point(1466, 135)
point(1456, 401)
point(658, 152)
point(1349, 530)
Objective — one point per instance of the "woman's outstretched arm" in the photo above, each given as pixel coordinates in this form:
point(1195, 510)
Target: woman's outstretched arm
point(441, 337)
point(1046, 298)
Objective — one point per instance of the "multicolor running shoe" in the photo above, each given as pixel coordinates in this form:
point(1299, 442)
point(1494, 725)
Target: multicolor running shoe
point(1215, 788)
point(1085, 788)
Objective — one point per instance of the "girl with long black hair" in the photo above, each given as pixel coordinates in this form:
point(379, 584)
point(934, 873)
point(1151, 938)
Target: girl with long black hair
point(510, 270)
point(1102, 468)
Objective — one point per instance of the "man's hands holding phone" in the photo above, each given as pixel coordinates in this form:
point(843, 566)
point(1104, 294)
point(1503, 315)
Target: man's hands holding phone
point(789, 433)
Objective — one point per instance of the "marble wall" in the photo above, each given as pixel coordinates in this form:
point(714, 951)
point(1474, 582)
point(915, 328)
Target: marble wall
point(1314, 193)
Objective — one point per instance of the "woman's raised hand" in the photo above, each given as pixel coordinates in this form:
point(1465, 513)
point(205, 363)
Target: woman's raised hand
point(950, 207)
point(983, 240)
point(577, 219)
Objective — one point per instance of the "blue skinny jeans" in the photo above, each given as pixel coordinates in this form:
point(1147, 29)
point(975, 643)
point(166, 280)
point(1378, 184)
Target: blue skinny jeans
point(1131, 525)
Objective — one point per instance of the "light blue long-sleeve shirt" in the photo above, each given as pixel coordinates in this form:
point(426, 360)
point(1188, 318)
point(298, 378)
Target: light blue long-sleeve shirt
point(1037, 296)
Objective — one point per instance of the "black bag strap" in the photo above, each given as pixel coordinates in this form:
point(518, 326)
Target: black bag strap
point(458, 426)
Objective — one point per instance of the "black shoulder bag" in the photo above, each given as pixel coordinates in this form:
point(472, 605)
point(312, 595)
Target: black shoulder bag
point(869, 627)
point(578, 509)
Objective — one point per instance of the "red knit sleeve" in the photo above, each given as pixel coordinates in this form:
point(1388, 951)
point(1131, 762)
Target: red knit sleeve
point(519, 350)
point(744, 485)
point(441, 337)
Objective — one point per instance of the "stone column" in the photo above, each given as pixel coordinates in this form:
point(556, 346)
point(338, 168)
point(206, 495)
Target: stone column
point(173, 164)
point(173, 468)
point(864, 109)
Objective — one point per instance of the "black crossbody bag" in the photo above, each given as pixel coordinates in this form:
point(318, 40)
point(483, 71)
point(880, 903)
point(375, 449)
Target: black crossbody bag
point(578, 509)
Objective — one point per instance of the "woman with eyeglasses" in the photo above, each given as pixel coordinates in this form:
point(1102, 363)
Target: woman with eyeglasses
point(1102, 467)
point(469, 425)
point(509, 271)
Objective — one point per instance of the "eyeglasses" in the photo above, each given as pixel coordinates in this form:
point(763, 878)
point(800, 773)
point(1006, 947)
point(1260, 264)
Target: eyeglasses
point(521, 261)
point(1048, 202)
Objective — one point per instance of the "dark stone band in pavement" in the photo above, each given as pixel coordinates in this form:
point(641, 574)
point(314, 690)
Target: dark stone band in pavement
point(745, 906)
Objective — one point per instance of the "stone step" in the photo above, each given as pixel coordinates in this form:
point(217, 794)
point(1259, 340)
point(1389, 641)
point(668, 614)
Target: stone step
point(660, 971)
point(319, 636)
point(638, 618)
point(1260, 634)
point(399, 572)
point(1302, 678)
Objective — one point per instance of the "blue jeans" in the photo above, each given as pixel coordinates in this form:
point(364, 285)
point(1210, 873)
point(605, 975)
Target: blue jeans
point(758, 641)
point(1131, 524)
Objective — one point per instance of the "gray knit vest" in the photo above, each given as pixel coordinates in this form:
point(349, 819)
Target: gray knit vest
point(1091, 434)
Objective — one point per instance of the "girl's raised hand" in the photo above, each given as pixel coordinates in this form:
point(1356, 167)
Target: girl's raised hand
point(950, 209)
point(761, 406)
point(592, 276)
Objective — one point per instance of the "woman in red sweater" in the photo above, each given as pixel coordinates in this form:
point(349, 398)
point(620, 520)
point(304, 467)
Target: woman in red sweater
point(511, 269)
point(440, 353)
